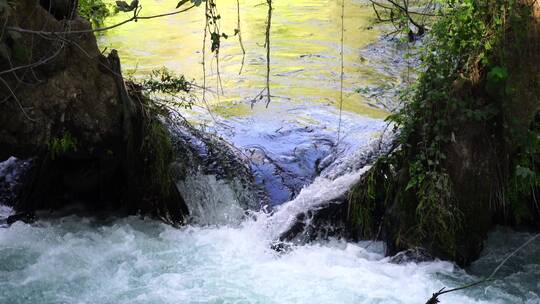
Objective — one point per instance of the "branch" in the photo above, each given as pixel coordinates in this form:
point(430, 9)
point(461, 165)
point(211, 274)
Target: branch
point(16, 99)
point(34, 64)
point(57, 34)
point(401, 8)
point(240, 37)
point(135, 18)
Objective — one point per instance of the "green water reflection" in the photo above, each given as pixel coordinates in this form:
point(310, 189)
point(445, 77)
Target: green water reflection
point(305, 46)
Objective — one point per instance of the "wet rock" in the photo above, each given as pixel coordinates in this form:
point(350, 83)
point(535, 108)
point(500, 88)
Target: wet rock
point(321, 210)
point(70, 91)
point(95, 139)
point(322, 223)
point(214, 177)
point(414, 255)
point(12, 176)
point(26, 217)
point(281, 247)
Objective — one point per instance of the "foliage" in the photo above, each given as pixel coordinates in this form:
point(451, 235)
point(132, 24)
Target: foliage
point(439, 218)
point(158, 147)
point(368, 198)
point(362, 204)
point(465, 50)
point(212, 22)
point(62, 145)
point(195, 2)
point(95, 11)
point(166, 82)
point(524, 180)
point(123, 6)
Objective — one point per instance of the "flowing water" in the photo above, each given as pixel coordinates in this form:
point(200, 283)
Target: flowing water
point(292, 149)
point(132, 260)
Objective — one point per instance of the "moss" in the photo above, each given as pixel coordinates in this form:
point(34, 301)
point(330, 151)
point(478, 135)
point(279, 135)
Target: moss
point(361, 209)
point(159, 152)
point(59, 146)
point(439, 220)
point(367, 200)
point(148, 158)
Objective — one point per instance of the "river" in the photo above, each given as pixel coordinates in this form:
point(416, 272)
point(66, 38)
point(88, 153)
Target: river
point(76, 259)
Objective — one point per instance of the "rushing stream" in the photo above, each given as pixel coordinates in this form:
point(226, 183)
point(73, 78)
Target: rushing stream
point(292, 149)
point(81, 260)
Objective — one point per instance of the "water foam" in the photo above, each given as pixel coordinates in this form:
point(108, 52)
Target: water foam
point(212, 201)
point(330, 187)
point(133, 260)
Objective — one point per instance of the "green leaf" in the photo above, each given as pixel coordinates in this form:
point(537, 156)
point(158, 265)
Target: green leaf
point(497, 74)
point(124, 7)
point(182, 2)
point(496, 79)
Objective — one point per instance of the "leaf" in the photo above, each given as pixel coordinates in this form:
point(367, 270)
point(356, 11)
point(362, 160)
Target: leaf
point(524, 172)
point(215, 38)
point(197, 2)
point(124, 7)
point(496, 79)
point(182, 2)
point(497, 74)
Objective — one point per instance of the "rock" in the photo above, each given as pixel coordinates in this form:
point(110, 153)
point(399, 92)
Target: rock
point(321, 223)
point(281, 247)
point(215, 178)
point(414, 255)
point(95, 141)
point(26, 217)
point(60, 9)
point(69, 89)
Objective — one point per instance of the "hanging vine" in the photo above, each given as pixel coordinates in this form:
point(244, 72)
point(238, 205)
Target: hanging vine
point(238, 31)
point(341, 75)
point(267, 45)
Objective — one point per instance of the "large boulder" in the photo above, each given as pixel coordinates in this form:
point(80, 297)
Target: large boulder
point(57, 85)
point(95, 141)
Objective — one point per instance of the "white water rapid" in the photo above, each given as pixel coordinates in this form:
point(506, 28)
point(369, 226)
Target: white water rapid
point(133, 260)
point(138, 260)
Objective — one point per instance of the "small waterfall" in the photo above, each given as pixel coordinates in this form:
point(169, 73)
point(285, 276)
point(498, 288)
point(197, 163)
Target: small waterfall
point(213, 201)
point(330, 187)
point(213, 177)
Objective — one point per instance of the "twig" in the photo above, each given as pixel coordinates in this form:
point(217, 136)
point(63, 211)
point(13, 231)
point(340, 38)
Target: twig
point(135, 18)
point(16, 99)
point(240, 36)
point(34, 64)
point(204, 63)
